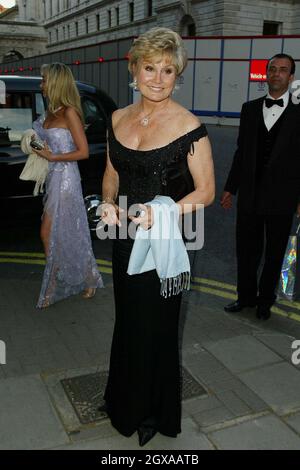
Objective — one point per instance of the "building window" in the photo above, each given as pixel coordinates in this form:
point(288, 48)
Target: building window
point(149, 8)
point(76, 29)
point(187, 26)
point(51, 11)
point(98, 22)
point(58, 6)
point(56, 34)
point(109, 18)
point(271, 28)
point(69, 35)
point(49, 38)
point(86, 26)
point(117, 16)
point(192, 29)
point(131, 11)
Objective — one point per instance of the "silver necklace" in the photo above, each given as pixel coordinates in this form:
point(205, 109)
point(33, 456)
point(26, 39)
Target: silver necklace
point(145, 120)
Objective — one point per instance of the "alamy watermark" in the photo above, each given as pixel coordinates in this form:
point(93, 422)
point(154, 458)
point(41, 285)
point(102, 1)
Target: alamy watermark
point(296, 354)
point(2, 92)
point(2, 352)
point(296, 93)
point(191, 226)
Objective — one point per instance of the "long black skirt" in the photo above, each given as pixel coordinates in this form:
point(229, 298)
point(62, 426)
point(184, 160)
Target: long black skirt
point(144, 375)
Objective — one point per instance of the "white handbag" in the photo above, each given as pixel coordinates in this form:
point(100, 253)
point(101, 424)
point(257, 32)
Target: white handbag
point(36, 167)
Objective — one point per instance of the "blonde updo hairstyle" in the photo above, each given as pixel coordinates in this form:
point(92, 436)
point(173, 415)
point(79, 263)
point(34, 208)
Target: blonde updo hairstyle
point(61, 88)
point(158, 42)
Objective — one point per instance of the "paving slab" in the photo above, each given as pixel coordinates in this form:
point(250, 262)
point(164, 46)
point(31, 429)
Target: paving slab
point(231, 400)
point(278, 385)
point(218, 415)
point(279, 343)
point(242, 353)
point(190, 438)
point(28, 419)
point(294, 422)
point(265, 433)
point(196, 405)
point(251, 399)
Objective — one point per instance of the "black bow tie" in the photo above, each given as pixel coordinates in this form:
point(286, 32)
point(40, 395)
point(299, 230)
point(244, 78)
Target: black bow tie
point(270, 103)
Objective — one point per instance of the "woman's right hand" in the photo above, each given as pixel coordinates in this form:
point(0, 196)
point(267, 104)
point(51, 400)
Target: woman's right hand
point(226, 200)
point(109, 213)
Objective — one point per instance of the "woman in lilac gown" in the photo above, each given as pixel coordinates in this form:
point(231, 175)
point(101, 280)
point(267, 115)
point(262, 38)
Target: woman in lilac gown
point(71, 267)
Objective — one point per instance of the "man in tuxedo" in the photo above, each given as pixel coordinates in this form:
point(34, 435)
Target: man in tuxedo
point(266, 175)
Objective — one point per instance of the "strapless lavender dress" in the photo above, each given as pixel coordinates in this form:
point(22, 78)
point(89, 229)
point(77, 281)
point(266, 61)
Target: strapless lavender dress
point(71, 266)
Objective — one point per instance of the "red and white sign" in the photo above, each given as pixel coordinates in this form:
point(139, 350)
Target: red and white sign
point(258, 70)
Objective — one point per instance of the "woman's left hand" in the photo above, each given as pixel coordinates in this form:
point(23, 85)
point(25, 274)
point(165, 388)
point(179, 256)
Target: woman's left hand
point(45, 153)
point(145, 219)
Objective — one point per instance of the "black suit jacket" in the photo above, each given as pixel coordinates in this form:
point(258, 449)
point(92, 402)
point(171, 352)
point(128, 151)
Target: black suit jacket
point(281, 184)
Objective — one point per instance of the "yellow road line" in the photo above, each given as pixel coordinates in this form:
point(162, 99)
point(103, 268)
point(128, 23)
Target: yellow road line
point(227, 295)
point(104, 262)
point(231, 287)
point(42, 262)
point(39, 255)
point(22, 261)
point(210, 282)
point(24, 255)
point(286, 314)
point(198, 284)
point(289, 303)
point(282, 313)
point(218, 293)
point(105, 270)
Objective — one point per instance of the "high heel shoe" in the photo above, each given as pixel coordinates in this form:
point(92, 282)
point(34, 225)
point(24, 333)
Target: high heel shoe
point(45, 304)
point(145, 434)
point(89, 293)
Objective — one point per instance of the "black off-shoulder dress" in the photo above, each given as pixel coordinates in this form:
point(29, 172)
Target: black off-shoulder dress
point(144, 376)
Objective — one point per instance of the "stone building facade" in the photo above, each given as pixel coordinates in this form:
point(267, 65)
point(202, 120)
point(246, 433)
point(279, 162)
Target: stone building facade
point(73, 23)
point(38, 26)
point(21, 32)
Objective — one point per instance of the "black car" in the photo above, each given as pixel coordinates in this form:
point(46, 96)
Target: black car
point(21, 102)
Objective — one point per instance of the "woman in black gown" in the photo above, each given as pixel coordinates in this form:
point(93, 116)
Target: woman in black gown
point(155, 147)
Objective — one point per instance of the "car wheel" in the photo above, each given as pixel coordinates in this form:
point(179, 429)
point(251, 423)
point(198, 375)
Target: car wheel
point(92, 203)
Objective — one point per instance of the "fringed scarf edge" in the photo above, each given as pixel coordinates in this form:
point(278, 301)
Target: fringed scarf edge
point(175, 285)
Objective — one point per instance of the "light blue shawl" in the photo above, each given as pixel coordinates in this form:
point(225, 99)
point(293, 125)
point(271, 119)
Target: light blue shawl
point(162, 248)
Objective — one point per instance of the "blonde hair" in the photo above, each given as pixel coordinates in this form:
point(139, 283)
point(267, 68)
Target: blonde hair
point(158, 42)
point(61, 88)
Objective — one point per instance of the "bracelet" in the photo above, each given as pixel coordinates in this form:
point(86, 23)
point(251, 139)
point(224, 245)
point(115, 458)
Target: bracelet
point(108, 200)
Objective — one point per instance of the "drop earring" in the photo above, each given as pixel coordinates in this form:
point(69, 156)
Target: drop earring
point(176, 88)
point(134, 85)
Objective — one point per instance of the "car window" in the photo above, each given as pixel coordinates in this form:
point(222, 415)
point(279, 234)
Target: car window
point(15, 117)
point(92, 112)
point(39, 105)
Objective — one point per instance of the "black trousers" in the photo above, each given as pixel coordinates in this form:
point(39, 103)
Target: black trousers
point(257, 234)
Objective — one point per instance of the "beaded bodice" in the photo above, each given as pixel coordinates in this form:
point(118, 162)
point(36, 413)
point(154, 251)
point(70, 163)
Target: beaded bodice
point(143, 174)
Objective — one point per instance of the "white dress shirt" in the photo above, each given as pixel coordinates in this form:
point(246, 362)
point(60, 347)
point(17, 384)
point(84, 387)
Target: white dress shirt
point(271, 115)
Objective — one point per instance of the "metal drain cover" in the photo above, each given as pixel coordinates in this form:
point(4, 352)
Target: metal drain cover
point(85, 393)
point(190, 388)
